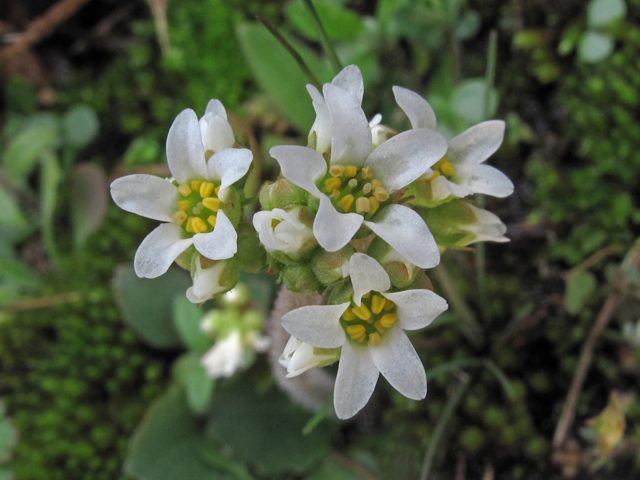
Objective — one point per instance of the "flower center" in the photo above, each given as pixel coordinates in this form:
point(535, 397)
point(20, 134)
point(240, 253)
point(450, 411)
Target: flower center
point(367, 323)
point(443, 167)
point(353, 189)
point(198, 203)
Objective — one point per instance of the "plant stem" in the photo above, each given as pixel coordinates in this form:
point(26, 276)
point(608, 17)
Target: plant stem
point(318, 417)
point(324, 39)
point(43, 302)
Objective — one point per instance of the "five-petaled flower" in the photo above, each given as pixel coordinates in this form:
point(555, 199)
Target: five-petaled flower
point(204, 165)
point(370, 330)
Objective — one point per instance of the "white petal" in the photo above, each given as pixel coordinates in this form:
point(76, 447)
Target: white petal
point(487, 228)
point(322, 124)
point(441, 188)
point(159, 249)
point(333, 229)
point(350, 131)
point(216, 108)
point(216, 133)
point(405, 230)
point(185, 153)
point(477, 143)
point(356, 380)
point(420, 113)
point(417, 308)
point(366, 275)
point(405, 157)
point(220, 244)
point(302, 166)
point(206, 282)
point(145, 195)
point(399, 363)
point(317, 325)
point(484, 179)
point(350, 79)
point(225, 357)
point(229, 166)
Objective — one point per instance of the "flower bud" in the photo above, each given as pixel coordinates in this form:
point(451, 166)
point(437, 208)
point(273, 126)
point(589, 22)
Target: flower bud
point(380, 133)
point(300, 278)
point(298, 357)
point(280, 194)
point(331, 267)
point(286, 234)
point(251, 255)
point(238, 296)
point(400, 270)
point(211, 277)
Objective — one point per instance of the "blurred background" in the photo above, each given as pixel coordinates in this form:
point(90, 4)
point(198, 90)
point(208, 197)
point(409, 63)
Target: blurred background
point(533, 371)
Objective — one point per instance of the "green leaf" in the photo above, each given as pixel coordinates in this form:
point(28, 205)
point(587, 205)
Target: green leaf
point(279, 75)
point(186, 317)
point(40, 133)
point(603, 12)
point(469, 100)
point(242, 419)
point(339, 23)
point(197, 385)
point(81, 125)
point(146, 304)
point(594, 47)
point(10, 214)
point(49, 179)
point(167, 444)
point(580, 286)
point(17, 274)
point(8, 436)
point(332, 471)
point(89, 200)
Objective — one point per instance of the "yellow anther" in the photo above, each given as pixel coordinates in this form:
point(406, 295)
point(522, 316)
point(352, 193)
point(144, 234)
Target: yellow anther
point(275, 222)
point(355, 330)
point(184, 205)
point(195, 185)
point(362, 312)
point(208, 154)
point(366, 172)
point(211, 203)
point(366, 295)
point(389, 320)
point(447, 168)
point(373, 205)
point(189, 225)
point(198, 225)
point(335, 193)
point(362, 205)
point(388, 305)
point(381, 194)
point(350, 171)
point(346, 202)
point(348, 315)
point(206, 189)
point(441, 161)
point(377, 303)
point(375, 184)
point(353, 183)
point(379, 327)
point(184, 189)
point(179, 217)
point(435, 175)
point(374, 339)
point(336, 170)
point(367, 188)
point(212, 220)
point(332, 183)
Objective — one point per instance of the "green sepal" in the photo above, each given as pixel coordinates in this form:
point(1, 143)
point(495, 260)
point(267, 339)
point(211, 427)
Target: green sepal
point(185, 259)
point(420, 194)
point(251, 256)
point(341, 293)
point(233, 206)
point(300, 278)
point(281, 194)
point(327, 265)
point(401, 273)
point(445, 222)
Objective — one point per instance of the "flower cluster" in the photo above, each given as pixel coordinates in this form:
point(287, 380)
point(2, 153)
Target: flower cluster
point(362, 210)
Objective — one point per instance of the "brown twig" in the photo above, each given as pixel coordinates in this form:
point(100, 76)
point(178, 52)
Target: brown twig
point(355, 467)
point(43, 302)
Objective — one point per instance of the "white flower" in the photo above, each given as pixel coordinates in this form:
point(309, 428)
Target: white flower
point(207, 282)
point(360, 181)
point(225, 357)
point(282, 230)
point(298, 357)
point(203, 166)
point(487, 228)
point(461, 171)
point(370, 331)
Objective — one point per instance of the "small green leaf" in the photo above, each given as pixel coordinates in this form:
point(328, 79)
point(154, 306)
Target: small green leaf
point(186, 317)
point(146, 304)
point(15, 273)
point(603, 12)
point(8, 436)
point(579, 287)
point(195, 381)
point(49, 179)
point(10, 214)
point(339, 23)
point(81, 125)
point(594, 47)
point(570, 38)
point(469, 100)
point(89, 199)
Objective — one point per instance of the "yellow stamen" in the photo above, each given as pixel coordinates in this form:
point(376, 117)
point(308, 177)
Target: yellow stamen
point(198, 225)
point(366, 172)
point(275, 222)
point(362, 205)
point(367, 188)
point(435, 175)
point(346, 202)
point(212, 220)
point(389, 320)
point(211, 203)
point(350, 171)
point(374, 339)
point(332, 183)
point(377, 303)
point(381, 194)
point(189, 226)
point(336, 170)
point(361, 337)
point(208, 154)
point(447, 168)
point(388, 305)
point(348, 315)
point(355, 330)
point(373, 205)
point(195, 185)
point(206, 189)
point(184, 189)
point(184, 205)
point(379, 327)
point(179, 217)
point(353, 183)
point(362, 312)
point(441, 161)
point(335, 193)
point(217, 190)
point(375, 184)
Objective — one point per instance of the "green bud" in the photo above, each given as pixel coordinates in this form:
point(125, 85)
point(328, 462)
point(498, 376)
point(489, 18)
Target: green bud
point(253, 319)
point(236, 297)
point(400, 270)
point(341, 293)
point(331, 267)
point(251, 255)
point(300, 278)
point(280, 194)
point(420, 194)
point(233, 206)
